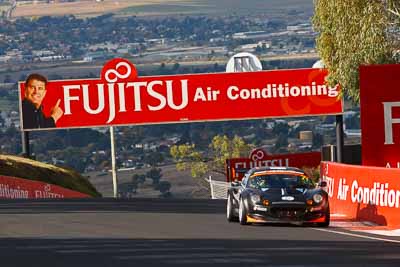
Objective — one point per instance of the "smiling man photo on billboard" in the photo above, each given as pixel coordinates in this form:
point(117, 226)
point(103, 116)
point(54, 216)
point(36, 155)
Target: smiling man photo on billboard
point(32, 108)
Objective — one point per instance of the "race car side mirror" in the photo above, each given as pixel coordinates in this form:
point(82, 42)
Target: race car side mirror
point(322, 184)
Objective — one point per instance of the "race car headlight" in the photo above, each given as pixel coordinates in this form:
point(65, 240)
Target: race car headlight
point(318, 198)
point(255, 198)
point(266, 202)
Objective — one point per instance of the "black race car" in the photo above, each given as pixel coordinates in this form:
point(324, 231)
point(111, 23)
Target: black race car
point(277, 194)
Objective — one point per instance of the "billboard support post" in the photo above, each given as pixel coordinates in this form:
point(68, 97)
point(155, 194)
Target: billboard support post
point(339, 125)
point(339, 138)
point(25, 144)
point(113, 169)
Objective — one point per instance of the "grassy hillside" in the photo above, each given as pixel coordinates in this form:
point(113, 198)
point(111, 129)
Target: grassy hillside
point(218, 7)
point(161, 7)
point(34, 170)
point(183, 185)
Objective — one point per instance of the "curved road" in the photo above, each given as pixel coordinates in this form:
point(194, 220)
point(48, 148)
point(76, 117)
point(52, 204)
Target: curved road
point(157, 232)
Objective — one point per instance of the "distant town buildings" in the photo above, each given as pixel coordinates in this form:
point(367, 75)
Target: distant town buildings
point(77, 39)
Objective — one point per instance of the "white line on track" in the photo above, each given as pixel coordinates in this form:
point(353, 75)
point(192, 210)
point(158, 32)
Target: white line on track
point(392, 233)
point(357, 235)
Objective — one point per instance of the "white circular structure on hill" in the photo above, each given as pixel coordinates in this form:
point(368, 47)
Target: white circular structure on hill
point(319, 65)
point(242, 62)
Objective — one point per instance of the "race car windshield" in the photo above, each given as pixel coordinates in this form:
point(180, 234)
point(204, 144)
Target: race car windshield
point(280, 181)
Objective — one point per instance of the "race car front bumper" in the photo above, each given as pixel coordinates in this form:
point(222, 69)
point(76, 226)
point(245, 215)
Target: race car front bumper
point(286, 213)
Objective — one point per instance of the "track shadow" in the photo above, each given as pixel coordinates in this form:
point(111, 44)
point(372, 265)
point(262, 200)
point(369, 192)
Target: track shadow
point(370, 213)
point(158, 205)
point(193, 252)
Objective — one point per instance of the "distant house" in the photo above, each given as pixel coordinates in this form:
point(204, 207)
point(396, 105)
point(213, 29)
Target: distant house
point(247, 48)
point(158, 41)
point(90, 56)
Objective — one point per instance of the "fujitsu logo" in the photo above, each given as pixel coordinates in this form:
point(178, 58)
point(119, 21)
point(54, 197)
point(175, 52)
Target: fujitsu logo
point(128, 71)
point(119, 79)
point(258, 155)
point(389, 121)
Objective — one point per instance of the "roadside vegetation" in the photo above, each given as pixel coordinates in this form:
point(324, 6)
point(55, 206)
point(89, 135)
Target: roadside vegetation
point(155, 174)
point(354, 33)
point(212, 160)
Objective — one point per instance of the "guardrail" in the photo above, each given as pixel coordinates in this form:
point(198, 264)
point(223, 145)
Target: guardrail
point(218, 188)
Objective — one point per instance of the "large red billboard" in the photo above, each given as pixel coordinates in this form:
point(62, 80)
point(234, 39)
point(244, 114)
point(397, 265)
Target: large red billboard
point(235, 167)
point(120, 97)
point(380, 115)
point(363, 193)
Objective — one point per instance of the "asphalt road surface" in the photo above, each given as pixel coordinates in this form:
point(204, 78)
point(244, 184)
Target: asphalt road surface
point(157, 232)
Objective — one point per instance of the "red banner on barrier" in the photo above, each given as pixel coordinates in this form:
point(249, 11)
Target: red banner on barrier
point(363, 193)
point(17, 188)
point(259, 158)
point(380, 115)
point(120, 97)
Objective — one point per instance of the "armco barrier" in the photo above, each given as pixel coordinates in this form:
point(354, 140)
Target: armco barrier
point(363, 193)
point(17, 188)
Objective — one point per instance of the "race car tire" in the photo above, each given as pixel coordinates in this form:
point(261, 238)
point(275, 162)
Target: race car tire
point(230, 216)
point(327, 219)
point(242, 213)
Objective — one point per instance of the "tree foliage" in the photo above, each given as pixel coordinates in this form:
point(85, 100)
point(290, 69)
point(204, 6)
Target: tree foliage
point(153, 158)
point(281, 142)
point(353, 33)
point(164, 187)
point(138, 178)
point(154, 174)
point(220, 149)
point(187, 157)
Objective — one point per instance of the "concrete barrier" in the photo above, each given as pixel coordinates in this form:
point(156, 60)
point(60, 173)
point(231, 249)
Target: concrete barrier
point(18, 188)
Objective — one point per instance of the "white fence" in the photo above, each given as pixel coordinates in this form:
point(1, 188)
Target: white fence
point(219, 189)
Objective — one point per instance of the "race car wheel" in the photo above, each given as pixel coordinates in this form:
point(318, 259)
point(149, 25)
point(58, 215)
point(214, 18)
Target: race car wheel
point(230, 216)
point(327, 219)
point(242, 213)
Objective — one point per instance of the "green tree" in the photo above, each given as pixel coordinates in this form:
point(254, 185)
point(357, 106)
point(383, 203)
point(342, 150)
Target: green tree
point(75, 158)
point(154, 158)
point(175, 67)
point(352, 33)
point(137, 179)
point(394, 8)
point(187, 157)
point(281, 127)
point(164, 188)
point(282, 142)
point(201, 163)
point(223, 148)
point(154, 174)
point(140, 178)
point(162, 69)
point(135, 183)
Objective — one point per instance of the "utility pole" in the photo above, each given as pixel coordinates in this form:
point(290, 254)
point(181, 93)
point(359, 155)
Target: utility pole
point(25, 144)
point(113, 165)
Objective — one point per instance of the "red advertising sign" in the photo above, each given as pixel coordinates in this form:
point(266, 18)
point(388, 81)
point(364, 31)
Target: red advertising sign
point(16, 188)
point(259, 158)
point(363, 193)
point(380, 115)
point(120, 97)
